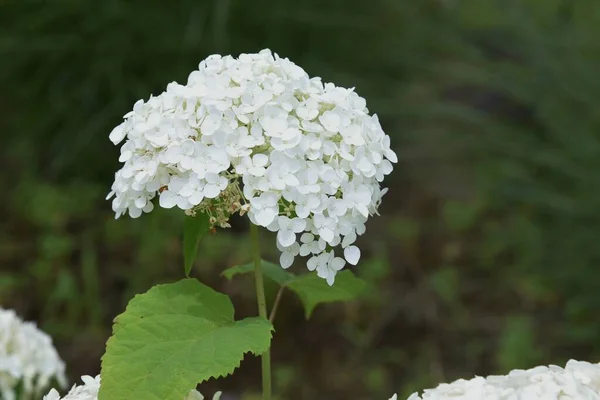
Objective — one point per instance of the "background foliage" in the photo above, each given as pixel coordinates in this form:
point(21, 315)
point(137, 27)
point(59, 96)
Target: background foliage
point(485, 258)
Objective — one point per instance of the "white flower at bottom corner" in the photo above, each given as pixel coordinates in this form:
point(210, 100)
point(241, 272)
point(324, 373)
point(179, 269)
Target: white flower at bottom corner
point(578, 380)
point(27, 358)
point(91, 386)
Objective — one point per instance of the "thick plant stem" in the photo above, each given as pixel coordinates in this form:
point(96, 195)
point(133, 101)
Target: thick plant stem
point(262, 309)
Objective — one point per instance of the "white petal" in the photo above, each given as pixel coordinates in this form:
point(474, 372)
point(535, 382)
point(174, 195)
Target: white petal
point(349, 239)
point(312, 263)
point(326, 234)
point(304, 250)
point(330, 277)
point(117, 134)
point(183, 203)
point(257, 171)
point(211, 191)
point(307, 238)
point(298, 225)
point(284, 222)
point(265, 216)
point(352, 254)
point(167, 199)
point(140, 202)
point(260, 160)
point(273, 226)
point(361, 208)
point(337, 264)
point(148, 207)
point(286, 237)
point(302, 211)
point(286, 260)
point(390, 155)
point(291, 180)
point(134, 212)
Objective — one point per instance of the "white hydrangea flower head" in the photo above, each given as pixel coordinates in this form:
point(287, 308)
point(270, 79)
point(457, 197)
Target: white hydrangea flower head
point(579, 380)
point(256, 134)
point(28, 358)
point(91, 386)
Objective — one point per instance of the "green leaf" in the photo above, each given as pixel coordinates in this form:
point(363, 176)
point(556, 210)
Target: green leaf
point(173, 337)
point(270, 270)
point(313, 290)
point(194, 230)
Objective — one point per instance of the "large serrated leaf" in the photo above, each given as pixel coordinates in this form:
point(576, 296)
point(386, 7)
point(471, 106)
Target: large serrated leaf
point(311, 289)
point(195, 228)
point(173, 337)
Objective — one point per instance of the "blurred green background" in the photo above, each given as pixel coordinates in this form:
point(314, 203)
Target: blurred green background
point(486, 256)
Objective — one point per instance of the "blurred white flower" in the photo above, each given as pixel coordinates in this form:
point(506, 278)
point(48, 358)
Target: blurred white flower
point(579, 380)
point(27, 358)
point(306, 156)
point(91, 386)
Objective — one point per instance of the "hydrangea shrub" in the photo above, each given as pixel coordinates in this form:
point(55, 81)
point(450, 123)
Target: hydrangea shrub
point(254, 136)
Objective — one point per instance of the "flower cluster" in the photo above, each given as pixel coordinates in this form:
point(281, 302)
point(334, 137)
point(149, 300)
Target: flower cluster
point(91, 386)
point(579, 380)
point(27, 358)
point(257, 134)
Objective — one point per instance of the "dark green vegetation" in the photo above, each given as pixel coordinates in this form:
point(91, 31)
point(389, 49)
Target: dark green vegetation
point(486, 256)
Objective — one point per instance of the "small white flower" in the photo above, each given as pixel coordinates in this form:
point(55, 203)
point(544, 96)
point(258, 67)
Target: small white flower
point(254, 165)
point(264, 208)
point(288, 254)
point(328, 266)
point(288, 228)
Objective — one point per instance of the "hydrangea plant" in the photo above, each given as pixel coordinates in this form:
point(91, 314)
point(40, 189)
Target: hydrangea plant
point(29, 363)
point(254, 136)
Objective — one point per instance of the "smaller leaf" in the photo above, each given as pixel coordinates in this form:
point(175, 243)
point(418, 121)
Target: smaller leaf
point(194, 230)
point(313, 290)
point(270, 270)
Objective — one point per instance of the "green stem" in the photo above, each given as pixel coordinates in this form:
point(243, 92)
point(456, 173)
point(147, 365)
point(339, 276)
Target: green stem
point(276, 303)
point(262, 309)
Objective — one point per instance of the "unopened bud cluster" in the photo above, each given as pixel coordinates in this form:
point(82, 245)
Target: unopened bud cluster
point(220, 209)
